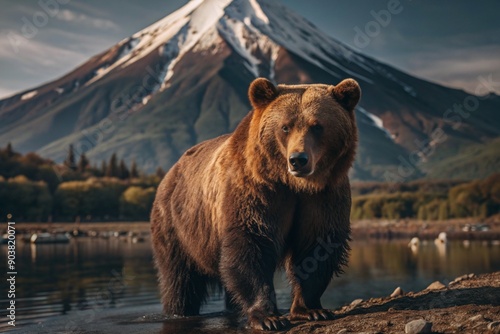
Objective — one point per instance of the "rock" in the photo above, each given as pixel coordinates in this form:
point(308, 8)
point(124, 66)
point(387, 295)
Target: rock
point(398, 292)
point(356, 302)
point(459, 279)
point(494, 327)
point(471, 276)
point(478, 317)
point(342, 331)
point(436, 286)
point(418, 326)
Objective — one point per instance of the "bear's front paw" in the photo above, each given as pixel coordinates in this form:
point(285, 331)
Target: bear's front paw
point(272, 323)
point(319, 314)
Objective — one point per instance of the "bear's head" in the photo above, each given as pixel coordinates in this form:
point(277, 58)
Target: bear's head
point(306, 134)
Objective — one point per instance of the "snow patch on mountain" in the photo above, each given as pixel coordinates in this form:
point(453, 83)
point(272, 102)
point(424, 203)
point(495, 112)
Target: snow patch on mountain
point(377, 121)
point(128, 47)
point(247, 11)
point(239, 28)
point(145, 42)
point(171, 52)
point(258, 12)
point(211, 42)
point(202, 19)
point(29, 95)
point(237, 35)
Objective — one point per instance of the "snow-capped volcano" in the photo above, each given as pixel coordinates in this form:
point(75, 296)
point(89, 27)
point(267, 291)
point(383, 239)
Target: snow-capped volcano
point(184, 79)
point(243, 24)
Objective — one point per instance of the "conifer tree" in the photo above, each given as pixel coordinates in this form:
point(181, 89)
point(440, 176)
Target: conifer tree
point(70, 161)
point(133, 170)
point(160, 172)
point(9, 150)
point(123, 171)
point(112, 170)
point(83, 163)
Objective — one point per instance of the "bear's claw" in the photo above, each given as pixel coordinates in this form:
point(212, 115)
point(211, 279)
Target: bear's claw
point(319, 314)
point(273, 323)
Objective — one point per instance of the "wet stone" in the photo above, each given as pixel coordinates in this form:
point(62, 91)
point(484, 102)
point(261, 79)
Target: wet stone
point(356, 302)
point(398, 292)
point(418, 326)
point(436, 286)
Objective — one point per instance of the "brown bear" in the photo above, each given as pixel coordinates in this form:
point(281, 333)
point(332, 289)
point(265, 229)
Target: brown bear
point(274, 193)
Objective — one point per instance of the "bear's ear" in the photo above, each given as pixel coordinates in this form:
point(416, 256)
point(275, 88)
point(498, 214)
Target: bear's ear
point(261, 93)
point(347, 93)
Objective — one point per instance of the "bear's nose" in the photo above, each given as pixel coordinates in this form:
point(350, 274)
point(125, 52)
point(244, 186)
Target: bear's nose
point(298, 160)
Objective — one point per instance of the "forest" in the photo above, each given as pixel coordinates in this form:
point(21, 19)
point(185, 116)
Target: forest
point(36, 189)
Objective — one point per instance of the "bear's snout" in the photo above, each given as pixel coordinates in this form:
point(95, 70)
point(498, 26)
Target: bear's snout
point(298, 164)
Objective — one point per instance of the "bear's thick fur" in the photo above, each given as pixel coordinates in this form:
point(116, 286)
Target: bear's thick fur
point(273, 193)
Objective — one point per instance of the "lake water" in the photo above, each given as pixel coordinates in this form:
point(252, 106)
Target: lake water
point(111, 274)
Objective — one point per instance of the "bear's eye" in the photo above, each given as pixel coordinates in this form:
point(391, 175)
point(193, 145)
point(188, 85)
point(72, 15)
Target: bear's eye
point(285, 128)
point(316, 128)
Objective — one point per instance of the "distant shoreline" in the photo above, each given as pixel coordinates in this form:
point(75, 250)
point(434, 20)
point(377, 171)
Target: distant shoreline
point(364, 229)
point(426, 230)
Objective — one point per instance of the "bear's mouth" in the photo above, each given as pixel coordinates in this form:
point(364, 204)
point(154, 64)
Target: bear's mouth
point(300, 173)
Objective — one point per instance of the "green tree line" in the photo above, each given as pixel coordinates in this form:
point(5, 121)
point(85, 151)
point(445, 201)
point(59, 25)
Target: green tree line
point(37, 189)
point(427, 200)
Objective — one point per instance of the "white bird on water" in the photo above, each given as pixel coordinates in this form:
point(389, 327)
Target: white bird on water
point(414, 242)
point(441, 243)
point(441, 238)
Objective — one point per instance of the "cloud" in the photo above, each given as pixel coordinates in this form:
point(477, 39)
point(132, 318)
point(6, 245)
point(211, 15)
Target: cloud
point(459, 68)
point(51, 53)
point(35, 53)
point(88, 44)
point(67, 15)
point(33, 64)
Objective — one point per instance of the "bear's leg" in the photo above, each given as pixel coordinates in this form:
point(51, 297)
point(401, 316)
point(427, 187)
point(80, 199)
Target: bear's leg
point(182, 287)
point(247, 265)
point(310, 273)
point(230, 303)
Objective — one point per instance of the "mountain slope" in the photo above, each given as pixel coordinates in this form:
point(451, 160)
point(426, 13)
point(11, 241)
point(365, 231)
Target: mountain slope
point(473, 161)
point(184, 79)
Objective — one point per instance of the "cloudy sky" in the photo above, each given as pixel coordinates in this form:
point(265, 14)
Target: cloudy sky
point(456, 43)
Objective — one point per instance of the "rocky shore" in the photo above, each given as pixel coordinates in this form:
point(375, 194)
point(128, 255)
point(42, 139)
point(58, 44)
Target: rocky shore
point(469, 304)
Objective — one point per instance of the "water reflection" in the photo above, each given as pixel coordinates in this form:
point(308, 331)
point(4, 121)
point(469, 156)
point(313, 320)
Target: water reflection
point(96, 274)
point(84, 274)
point(376, 268)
